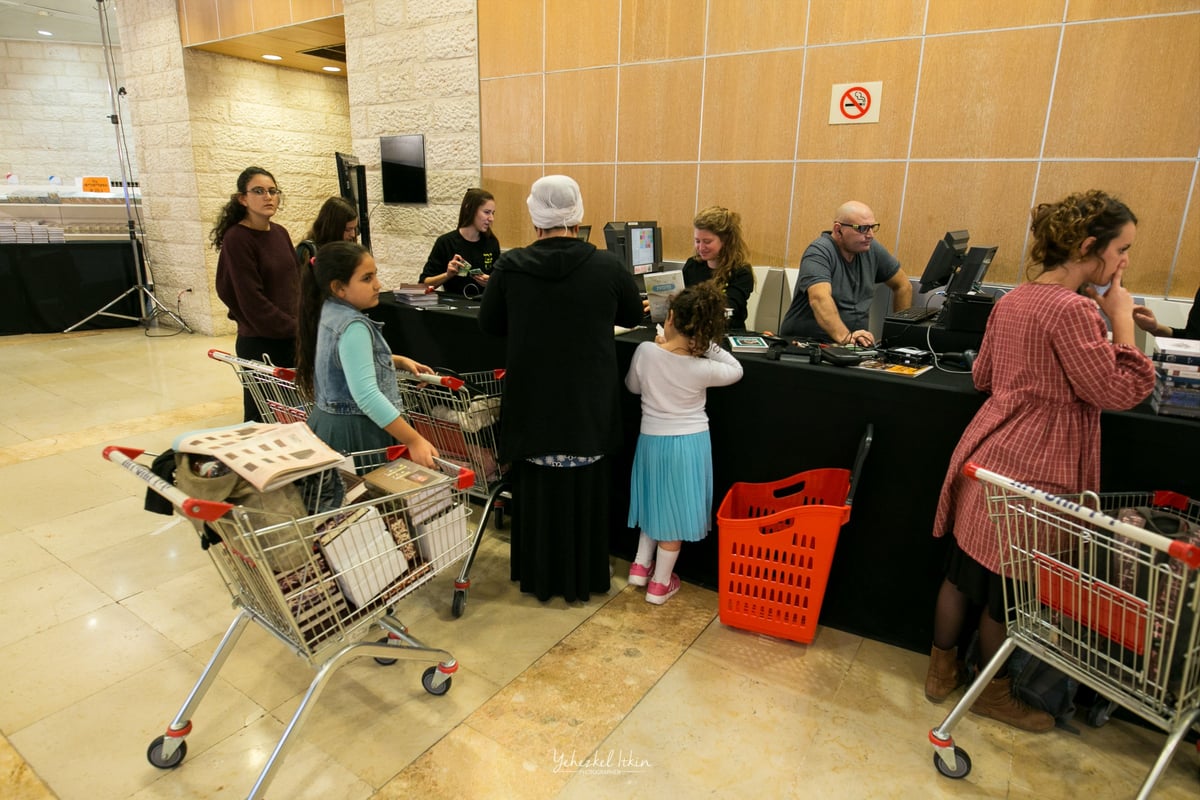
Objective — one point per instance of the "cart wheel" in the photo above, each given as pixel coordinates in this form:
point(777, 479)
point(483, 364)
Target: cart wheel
point(963, 762)
point(1100, 712)
point(460, 602)
point(387, 662)
point(427, 681)
point(154, 754)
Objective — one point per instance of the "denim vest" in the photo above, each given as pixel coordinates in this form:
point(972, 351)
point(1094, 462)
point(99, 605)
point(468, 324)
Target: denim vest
point(329, 380)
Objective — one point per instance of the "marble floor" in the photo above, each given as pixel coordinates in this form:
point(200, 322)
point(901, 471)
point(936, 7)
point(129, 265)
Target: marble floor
point(109, 613)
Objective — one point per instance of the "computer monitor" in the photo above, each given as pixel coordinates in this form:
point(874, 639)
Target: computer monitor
point(645, 246)
point(402, 167)
point(584, 232)
point(974, 266)
point(352, 184)
point(946, 258)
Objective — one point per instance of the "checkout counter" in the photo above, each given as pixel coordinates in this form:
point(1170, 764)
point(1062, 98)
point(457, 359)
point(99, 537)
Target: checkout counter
point(785, 417)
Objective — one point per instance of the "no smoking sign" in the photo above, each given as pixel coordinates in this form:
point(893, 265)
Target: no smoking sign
point(854, 103)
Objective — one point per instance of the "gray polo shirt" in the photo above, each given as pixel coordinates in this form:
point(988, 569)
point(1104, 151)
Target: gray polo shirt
point(852, 285)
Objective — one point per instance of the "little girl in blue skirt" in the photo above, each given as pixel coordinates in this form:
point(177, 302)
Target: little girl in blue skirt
point(671, 486)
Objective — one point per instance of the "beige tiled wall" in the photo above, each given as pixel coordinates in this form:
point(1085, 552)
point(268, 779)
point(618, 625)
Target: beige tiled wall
point(987, 109)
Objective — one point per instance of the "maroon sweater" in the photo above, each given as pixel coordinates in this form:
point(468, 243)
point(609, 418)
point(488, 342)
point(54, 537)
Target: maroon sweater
point(259, 280)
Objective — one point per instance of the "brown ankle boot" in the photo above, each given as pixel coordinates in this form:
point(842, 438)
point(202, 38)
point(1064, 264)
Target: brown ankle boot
point(997, 702)
point(944, 674)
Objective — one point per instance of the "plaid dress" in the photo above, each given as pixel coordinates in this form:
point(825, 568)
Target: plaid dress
point(1049, 368)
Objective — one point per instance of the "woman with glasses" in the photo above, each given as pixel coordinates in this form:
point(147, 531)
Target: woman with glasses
point(723, 258)
point(461, 260)
point(257, 278)
point(838, 274)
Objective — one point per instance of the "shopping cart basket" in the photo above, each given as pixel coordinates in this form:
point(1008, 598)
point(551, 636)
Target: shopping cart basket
point(1108, 603)
point(319, 583)
point(455, 413)
point(459, 414)
point(776, 547)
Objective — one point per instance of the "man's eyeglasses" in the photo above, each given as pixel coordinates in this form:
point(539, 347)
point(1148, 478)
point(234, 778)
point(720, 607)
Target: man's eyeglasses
point(863, 229)
point(260, 191)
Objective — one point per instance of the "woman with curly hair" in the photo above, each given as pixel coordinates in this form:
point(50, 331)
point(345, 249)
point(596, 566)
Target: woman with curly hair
point(671, 486)
point(1049, 369)
point(257, 277)
point(723, 258)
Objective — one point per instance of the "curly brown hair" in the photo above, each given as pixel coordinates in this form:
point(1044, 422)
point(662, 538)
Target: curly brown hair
point(727, 225)
point(1059, 229)
point(699, 314)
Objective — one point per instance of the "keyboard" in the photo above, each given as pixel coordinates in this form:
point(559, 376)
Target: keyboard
point(912, 314)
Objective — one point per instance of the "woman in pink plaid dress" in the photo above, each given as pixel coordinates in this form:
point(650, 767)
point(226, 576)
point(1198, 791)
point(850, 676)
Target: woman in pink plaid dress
point(1048, 366)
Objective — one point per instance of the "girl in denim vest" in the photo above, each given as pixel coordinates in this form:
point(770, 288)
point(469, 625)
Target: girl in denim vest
point(343, 363)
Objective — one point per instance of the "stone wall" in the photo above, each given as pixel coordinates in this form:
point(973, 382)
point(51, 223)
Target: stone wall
point(413, 68)
point(57, 102)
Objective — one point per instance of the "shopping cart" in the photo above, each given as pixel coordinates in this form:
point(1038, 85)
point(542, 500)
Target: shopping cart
point(456, 413)
point(1108, 603)
point(319, 583)
point(459, 415)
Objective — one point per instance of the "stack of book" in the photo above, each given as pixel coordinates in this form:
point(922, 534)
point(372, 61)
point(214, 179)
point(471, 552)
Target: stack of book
point(1177, 389)
point(416, 294)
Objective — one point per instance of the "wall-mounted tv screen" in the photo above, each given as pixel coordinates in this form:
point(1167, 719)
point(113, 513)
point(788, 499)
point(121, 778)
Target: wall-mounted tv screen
point(402, 164)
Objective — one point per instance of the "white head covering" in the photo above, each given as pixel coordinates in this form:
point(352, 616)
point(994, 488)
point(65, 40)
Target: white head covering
point(555, 202)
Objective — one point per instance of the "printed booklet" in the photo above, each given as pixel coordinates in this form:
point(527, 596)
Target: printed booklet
point(266, 455)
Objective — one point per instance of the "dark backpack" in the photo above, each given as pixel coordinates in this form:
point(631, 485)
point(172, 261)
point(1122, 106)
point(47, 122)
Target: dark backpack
point(1043, 687)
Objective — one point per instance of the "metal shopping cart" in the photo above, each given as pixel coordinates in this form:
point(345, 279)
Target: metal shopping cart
point(1109, 603)
point(319, 583)
point(459, 415)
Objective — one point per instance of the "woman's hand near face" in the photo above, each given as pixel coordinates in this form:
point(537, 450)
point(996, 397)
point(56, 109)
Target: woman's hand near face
point(1117, 304)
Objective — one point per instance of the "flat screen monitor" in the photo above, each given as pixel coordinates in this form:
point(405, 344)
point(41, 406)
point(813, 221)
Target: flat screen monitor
point(974, 266)
point(352, 184)
point(945, 260)
point(402, 165)
point(645, 246)
point(584, 232)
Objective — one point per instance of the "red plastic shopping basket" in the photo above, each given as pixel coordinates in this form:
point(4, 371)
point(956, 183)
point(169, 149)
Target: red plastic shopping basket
point(777, 542)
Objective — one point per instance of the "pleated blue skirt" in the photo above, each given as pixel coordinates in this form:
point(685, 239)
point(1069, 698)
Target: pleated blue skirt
point(671, 489)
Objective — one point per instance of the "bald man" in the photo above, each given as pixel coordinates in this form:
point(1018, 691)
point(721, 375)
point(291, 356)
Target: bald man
point(838, 274)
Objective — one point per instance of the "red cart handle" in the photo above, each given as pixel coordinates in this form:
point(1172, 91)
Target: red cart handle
point(191, 507)
point(465, 477)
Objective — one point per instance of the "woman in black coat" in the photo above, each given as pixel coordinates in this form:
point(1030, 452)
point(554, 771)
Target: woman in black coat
point(556, 302)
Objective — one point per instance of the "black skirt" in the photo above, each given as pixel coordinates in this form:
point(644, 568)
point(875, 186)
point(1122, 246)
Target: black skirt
point(560, 529)
point(981, 586)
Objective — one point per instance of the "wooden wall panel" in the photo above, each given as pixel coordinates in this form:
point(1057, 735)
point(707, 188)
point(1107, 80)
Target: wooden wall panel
point(236, 18)
point(267, 14)
point(510, 118)
point(574, 131)
point(198, 21)
point(1151, 190)
point(738, 25)
point(656, 29)
point(581, 34)
point(990, 199)
point(510, 37)
point(984, 95)
point(1103, 9)
point(895, 63)
point(662, 192)
point(863, 20)
point(1133, 106)
point(949, 16)
point(751, 104)
point(646, 89)
point(304, 10)
point(981, 140)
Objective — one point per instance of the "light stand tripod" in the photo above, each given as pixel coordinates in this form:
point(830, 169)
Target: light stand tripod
point(149, 306)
